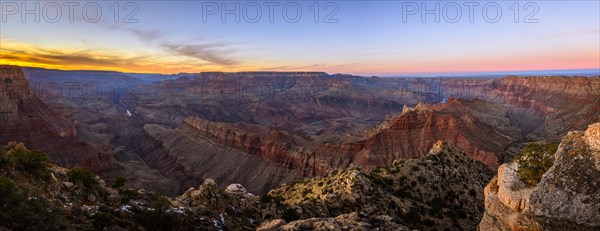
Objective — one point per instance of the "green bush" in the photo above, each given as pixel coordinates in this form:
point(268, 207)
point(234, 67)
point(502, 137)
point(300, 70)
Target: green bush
point(101, 220)
point(119, 182)
point(33, 162)
point(19, 212)
point(9, 191)
point(129, 194)
point(84, 177)
point(268, 198)
point(534, 161)
point(157, 217)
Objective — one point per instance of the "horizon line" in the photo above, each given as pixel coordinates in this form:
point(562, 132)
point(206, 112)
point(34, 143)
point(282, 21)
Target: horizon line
point(550, 72)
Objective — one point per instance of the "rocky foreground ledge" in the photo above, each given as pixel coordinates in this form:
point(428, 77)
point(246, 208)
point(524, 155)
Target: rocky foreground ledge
point(443, 190)
point(409, 195)
point(566, 198)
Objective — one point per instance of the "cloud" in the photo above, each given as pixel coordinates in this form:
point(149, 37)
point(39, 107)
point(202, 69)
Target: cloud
point(31, 55)
point(53, 57)
point(146, 35)
point(329, 68)
point(209, 52)
point(218, 53)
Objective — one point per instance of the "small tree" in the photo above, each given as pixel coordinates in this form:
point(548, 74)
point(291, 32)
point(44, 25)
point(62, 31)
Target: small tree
point(119, 182)
point(33, 162)
point(10, 193)
point(83, 176)
point(534, 161)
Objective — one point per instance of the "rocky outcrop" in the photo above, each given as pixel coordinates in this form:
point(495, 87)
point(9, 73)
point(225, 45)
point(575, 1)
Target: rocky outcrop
point(566, 198)
point(484, 130)
point(414, 193)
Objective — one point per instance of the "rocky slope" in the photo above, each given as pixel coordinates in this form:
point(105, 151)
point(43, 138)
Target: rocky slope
point(412, 194)
point(441, 190)
point(566, 198)
point(26, 118)
point(41, 196)
point(179, 154)
point(561, 104)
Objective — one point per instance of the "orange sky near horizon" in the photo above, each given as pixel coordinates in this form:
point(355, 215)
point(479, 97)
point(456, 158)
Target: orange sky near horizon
point(31, 56)
point(368, 38)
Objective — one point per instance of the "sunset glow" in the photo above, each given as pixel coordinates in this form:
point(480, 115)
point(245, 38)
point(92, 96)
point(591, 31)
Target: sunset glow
point(367, 39)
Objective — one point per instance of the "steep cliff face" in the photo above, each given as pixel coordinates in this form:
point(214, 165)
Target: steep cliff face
point(25, 118)
point(566, 198)
point(482, 129)
point(185, 157)
point(281, 147)
point(565, 103)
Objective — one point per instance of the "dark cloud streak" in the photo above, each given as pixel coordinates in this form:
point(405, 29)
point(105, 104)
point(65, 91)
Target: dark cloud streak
point(146, 35)
point(214, 52)
point(210, 52)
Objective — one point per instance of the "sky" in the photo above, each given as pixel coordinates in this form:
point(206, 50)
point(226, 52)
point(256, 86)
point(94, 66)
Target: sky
point(381, 38)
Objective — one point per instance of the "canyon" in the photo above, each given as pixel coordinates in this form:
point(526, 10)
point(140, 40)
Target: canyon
point(168, 132)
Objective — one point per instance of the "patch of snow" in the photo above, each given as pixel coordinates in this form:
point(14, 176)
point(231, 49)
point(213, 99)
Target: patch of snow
point(126, 208)
point(179, 210)
point(216, 223)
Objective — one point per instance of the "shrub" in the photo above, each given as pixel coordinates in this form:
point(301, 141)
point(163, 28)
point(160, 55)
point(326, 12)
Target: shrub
point(436, 203)
point(402, 193)
point(161, 203)
point(290, 215)
point(119, 182)
point(157, 217)
point(17, 212)
point(9, 191)
point(101, 220)
point(472, 193)
point(33, 162)
point(413, 216)
point(428, 222)
point(84, 177)
point(268, 198)
point(534, 161)
point(129, 194)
